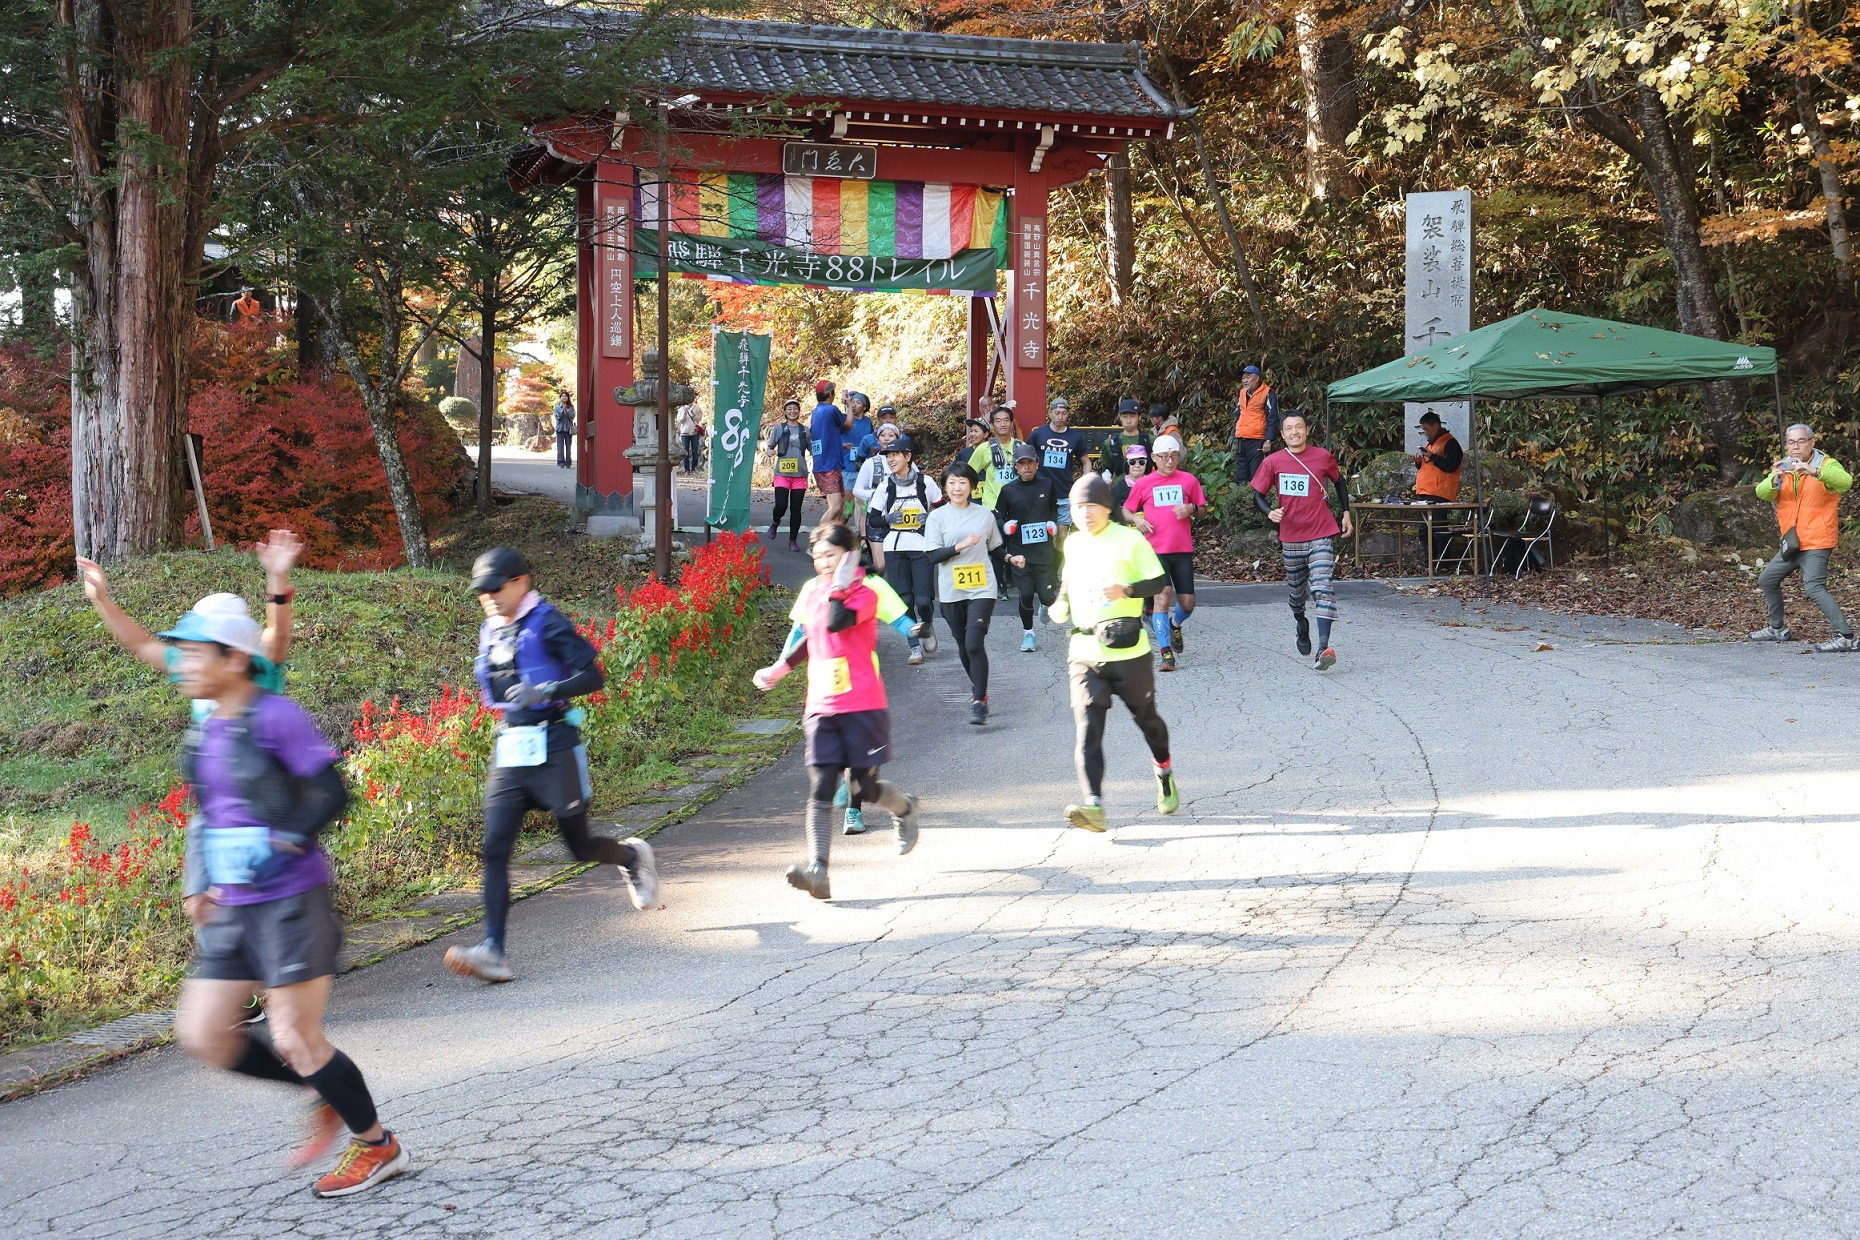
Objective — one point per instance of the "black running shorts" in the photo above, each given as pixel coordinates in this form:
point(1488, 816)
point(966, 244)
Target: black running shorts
point(858, 738)
point(277, 943)
point(1179, 568)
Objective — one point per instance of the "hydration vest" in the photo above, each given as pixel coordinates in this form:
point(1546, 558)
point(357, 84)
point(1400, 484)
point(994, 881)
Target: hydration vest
point(534, 664)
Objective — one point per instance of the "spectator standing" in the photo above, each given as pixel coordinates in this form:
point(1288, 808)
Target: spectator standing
point(1438, 464)
point(1806, 486)
point(691, 435)
point(1256, 424)
point(564, 432)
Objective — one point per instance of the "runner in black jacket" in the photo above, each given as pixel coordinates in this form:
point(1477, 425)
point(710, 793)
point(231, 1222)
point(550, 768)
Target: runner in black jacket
point(1028, 509)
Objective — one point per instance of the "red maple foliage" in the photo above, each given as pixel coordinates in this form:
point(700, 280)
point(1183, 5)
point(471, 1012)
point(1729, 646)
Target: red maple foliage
point(279, 451)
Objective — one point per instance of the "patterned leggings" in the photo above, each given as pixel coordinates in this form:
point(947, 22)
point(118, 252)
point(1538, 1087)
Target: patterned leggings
point(1308, 568)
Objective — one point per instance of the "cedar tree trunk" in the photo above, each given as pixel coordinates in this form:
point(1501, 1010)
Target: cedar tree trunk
point(127, 110)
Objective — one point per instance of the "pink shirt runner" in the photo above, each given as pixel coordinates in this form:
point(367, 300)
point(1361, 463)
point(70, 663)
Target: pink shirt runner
point(842, 668)
point(1155, 497)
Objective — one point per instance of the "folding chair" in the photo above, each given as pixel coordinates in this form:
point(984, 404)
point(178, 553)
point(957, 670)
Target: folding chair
point(1530, 542)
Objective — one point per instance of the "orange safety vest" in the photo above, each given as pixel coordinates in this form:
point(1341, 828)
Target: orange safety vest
point(1251, 424)
point(1435, 481)
point(1810, 509)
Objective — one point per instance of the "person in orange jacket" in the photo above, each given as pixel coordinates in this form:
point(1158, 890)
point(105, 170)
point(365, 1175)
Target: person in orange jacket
point(1806, 486)
point(1437, 480)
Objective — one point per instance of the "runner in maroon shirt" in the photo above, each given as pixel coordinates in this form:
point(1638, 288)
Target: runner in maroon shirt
point(1296, 474)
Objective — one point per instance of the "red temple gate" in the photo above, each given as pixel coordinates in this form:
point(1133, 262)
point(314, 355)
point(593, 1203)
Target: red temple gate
point(881, 160)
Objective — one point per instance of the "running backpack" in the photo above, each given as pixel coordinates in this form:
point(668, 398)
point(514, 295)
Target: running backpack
point(266, 785)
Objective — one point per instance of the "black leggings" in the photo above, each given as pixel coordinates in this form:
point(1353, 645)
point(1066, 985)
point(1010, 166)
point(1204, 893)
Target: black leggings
point(824, 781)
point(968, 623)
point(1093, 687)
point(783, 496)
point(514, 791)
point(913, 578)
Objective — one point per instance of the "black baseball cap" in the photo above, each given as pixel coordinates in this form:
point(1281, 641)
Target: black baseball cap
point(901, 444)
point(495, 567)
point(1129, 405)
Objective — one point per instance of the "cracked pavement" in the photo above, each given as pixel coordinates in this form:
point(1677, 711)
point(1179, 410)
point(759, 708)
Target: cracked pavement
point(1463, 938)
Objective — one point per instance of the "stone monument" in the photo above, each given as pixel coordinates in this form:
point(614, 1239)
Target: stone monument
point(643, 397)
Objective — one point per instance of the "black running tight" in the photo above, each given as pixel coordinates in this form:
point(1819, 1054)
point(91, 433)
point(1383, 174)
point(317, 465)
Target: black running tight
point(824, 782)
point(968, 622)
point(789, 500)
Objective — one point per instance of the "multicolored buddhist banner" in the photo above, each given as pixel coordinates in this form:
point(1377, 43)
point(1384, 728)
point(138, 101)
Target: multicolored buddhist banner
point(763, 228)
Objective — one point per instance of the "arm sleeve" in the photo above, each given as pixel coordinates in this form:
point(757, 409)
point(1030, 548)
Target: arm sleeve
point(936, 555)
point(1148, 586)
point(1453, 457)
point(1261, 502)
point(797, 640)
point(1834, 477)
point(1343, 492)
point(841, 615)
point(194, 870)
point(320, 801)
point(571, 650)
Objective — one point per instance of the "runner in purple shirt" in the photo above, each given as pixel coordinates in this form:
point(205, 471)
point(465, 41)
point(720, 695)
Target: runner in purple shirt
point(257, 891)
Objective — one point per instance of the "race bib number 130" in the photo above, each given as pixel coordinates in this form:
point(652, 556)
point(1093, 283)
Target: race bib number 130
point(1298, 485)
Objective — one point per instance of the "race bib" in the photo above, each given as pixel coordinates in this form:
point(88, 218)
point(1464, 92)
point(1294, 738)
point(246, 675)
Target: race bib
point(233, 854)
point(1298, 485)
point(1031, 534)
point(829, 677)
point(1169, 496)
point(909, 517)
point(789, 467)
point(523, 746)
point(969, 576)
point(819, 448)
point(1065, 512)
point(1056, 458)
point(1005, 474)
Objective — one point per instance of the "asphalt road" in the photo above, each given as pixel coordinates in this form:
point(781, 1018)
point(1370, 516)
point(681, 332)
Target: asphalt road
point(1465, 938)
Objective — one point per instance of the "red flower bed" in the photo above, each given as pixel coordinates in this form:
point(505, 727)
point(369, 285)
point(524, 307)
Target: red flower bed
point(89, 919)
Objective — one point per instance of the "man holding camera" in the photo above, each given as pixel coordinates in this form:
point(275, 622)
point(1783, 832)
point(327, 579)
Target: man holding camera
point(1806, 486)
point(1109, 569)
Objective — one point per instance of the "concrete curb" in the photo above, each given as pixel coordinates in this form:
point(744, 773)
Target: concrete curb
point(755, 745)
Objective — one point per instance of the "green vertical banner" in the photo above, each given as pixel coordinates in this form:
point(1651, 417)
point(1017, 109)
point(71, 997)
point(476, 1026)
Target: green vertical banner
point(739, 374)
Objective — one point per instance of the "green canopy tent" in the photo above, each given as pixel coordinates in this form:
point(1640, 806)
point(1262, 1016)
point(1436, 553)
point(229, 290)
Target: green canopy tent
point(1541, 353)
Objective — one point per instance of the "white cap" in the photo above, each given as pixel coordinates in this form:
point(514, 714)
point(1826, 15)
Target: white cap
point(1165, 443)
point(221, 618)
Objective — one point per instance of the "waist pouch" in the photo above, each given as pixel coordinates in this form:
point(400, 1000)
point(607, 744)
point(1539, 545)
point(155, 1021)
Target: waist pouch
point(1117, 633)
point(1791, 542)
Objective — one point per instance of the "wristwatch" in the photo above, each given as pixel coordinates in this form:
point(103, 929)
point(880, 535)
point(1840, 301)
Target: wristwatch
point(284, 598)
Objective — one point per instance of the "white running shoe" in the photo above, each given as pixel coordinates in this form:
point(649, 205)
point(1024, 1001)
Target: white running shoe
point(642, 877)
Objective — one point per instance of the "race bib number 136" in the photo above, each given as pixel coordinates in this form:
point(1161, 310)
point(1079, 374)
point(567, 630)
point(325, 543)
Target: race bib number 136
point(1295, 485)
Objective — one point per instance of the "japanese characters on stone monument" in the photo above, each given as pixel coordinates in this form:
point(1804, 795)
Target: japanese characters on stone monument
point(1440, 231)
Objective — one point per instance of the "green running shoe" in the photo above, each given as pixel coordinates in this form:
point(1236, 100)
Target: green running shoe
point(855, 822)
point(1087, 818)
point(1168, 796)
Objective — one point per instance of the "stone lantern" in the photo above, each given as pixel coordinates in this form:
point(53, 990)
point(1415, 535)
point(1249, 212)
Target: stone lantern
point(643, 397)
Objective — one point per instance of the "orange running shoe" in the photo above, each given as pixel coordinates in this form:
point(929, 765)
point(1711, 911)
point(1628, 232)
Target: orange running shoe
point(322, 1129)
point(363, 1166)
